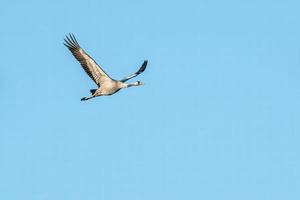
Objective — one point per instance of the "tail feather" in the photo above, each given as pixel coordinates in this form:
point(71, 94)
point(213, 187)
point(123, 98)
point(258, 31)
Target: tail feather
point(93, 91)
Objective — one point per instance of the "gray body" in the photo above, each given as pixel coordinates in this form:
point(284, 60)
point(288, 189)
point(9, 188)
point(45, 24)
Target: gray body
point(110, 87)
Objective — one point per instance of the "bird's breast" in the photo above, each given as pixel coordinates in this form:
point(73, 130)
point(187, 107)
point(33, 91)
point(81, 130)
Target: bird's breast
point(109, 88)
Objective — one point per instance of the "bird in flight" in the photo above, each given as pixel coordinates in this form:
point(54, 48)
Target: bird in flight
point(105, 84)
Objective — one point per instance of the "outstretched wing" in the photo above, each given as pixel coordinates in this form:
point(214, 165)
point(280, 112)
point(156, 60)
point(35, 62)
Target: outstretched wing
point(141, 70)
point(88, 64)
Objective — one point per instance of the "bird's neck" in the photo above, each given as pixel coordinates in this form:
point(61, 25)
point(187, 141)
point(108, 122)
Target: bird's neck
point(132, 84)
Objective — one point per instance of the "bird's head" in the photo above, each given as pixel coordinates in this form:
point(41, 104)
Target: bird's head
point(139, 83)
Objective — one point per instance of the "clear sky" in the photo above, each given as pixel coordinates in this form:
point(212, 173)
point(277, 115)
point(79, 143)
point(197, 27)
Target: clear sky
point(217, 119)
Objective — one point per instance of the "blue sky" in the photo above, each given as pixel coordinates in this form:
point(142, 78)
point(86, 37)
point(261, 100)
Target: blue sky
point(218, 117)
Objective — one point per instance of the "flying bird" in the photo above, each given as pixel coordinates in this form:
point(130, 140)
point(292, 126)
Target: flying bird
point(105, 84)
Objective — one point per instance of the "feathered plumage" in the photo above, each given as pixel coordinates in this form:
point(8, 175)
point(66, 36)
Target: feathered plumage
point(106, 85)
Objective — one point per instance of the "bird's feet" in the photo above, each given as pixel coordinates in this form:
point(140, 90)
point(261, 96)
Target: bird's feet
point(84, 99)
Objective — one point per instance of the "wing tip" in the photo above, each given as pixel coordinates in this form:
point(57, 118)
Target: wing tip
point(143, 67)
point(71, 42)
